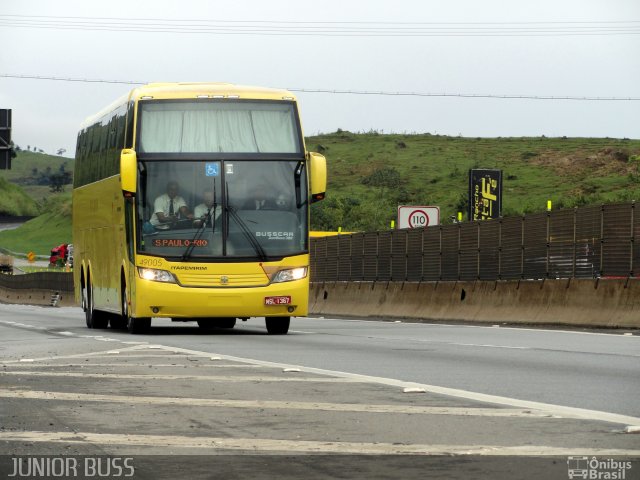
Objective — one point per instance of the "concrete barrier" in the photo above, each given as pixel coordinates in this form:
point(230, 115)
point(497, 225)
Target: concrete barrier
point(37, 297)
point(42, 288)
point(578, 302)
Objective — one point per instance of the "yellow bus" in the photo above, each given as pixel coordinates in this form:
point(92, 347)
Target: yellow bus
point(191, 202)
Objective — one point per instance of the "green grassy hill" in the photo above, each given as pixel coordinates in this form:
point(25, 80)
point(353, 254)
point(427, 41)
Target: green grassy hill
point(371, 174)
point(32, 172)
point(14, 201)
point(44, 232)
point(22, 167)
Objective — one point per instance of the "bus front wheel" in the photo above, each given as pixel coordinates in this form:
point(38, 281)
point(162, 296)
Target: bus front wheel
point(120, 322)
point(138, 325)
point(277, 325)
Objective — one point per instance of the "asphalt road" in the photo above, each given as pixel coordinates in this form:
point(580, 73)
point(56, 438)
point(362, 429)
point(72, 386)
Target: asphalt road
point(495, 402)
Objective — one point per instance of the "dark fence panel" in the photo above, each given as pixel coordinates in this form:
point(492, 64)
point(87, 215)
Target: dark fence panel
point(562, 244)
point(450, 248)
point(344, 257)
point(414, 254)
point(586, 242)
point(357, 255)
point(319, 248)
point(384, 256)
point(535, 245)
point(617, 230)
point(489, 250)
point(511, 248)
point(432, 253)
point(399, 255)
point(370, 258)
point(331, 270)
point(469, 251)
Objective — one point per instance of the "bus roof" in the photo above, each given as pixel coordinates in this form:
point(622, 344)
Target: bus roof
point(192, 90)
point(195, 90)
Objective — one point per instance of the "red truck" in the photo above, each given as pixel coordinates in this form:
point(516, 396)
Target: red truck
point(59, 255)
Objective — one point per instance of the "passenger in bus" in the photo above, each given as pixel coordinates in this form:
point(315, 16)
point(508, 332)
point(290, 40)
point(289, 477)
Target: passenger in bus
point(169, 208)
point(282, 202)
point(200, 211)
point(260, 199)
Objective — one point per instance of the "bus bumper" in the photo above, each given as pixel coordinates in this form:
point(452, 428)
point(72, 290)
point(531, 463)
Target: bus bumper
point(174, 301)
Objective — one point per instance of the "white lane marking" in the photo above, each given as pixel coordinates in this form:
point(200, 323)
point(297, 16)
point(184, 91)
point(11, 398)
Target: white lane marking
point(302, 446)
point(555, 410)
point(502, 327)
point(271, 404)
point(204, 378)
point(484, 345)
point(69, 334)
point(87, 365)
point(100, 354)
point(414, 390)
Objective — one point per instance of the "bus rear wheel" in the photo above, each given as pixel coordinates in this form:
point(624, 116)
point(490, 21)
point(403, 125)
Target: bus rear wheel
point(93, 318)
point(277, 325)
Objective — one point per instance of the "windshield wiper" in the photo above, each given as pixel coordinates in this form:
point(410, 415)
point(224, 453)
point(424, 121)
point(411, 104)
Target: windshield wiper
point(187, 253)
point(245, 230)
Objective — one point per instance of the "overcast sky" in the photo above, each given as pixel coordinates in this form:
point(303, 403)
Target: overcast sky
point(565, 48)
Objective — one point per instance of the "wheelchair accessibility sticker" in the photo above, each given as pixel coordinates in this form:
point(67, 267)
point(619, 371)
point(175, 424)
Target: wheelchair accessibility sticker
point(212, 169)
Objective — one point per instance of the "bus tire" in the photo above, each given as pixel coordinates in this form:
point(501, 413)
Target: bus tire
point(93, 318)
point(121, 321)
point(277, 325)
point(225, 322)
point(138, 325)
point(117, 323)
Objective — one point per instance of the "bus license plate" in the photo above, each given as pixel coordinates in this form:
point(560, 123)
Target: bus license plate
point(277, 300)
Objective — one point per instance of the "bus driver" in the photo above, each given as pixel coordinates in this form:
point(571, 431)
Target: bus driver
point(168, 208)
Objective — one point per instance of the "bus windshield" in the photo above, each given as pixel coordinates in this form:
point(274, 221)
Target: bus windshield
point(218, 126)
point(255, 210)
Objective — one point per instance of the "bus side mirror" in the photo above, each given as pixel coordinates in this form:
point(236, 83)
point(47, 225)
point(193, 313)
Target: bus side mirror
point(317, 176)
point(128, 170)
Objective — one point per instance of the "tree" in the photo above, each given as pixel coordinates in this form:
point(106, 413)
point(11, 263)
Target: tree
point(61, 151)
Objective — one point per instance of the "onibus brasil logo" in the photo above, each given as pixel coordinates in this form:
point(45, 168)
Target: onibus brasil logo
point(607, 469)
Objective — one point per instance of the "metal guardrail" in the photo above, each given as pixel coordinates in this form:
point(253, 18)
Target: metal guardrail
point(586, 242)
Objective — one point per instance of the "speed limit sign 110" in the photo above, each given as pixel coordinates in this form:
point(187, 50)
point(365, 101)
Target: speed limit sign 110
point(418, 217)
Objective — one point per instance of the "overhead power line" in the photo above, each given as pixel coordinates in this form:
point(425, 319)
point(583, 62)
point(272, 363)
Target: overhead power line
point(323, 29)
point(353, 92)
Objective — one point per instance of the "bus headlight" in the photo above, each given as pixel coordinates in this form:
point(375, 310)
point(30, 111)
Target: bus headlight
point(156, 275)
point(290, 275)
